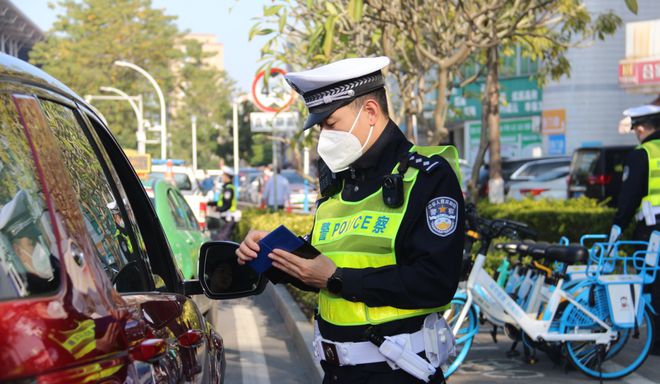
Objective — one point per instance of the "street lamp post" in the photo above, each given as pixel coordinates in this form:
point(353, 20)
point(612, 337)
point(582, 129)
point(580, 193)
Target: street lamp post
point(163, 116)
point(137, 108)
point(237, 101)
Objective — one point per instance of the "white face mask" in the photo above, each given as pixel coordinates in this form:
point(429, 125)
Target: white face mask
point(340, 149)
point(41, 261)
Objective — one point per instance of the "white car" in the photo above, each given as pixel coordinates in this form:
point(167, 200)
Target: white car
point(552, 184)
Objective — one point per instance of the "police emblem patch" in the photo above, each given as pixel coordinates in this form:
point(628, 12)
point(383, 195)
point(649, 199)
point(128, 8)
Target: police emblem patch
point(442, 215)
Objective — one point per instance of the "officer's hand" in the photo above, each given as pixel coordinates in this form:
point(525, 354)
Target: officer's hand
point(313, 272)
point(248, 249)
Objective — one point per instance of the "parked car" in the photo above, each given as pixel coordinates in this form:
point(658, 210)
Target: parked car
point(297, 188)
point(551, 184)
point(89, 290)
point(596, 172)
point(536, 168)
point(181, 228)
point(509, 166)
point(184, 179)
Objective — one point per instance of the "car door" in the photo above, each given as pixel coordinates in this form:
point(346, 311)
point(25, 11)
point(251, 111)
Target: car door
point(84, 332)
point(179, 322)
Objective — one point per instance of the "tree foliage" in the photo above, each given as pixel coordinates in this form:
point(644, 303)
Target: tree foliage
point(423, 37)
point(90, 35)
point(203, 92)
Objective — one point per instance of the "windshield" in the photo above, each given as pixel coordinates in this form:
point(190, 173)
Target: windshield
point(553, 174)
point(181, 180)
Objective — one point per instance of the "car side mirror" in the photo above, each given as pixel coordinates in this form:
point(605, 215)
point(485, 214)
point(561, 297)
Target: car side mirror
point(220, 275)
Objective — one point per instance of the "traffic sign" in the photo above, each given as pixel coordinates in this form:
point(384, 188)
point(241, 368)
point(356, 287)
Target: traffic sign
point(267, 122)
point(274, 96)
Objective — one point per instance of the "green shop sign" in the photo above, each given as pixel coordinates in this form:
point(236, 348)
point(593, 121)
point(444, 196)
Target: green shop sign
point(519, 138)
point(519, 97)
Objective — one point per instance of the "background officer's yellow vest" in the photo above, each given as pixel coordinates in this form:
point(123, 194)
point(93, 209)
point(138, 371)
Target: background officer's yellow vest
point(652, 149)
point(234, 203)
point(360, 235)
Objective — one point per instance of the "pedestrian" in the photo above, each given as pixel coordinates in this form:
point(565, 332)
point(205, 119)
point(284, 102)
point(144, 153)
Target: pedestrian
point(389, 226)
point(640, 188)
point(227, 205)
point(277, 191)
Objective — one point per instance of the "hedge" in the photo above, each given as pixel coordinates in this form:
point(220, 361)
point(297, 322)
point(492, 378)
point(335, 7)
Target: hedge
point(550, 218)
point(553, 219)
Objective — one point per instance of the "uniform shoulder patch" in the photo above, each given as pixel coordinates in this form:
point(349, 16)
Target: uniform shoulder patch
point(442, 215)
point(423, 163)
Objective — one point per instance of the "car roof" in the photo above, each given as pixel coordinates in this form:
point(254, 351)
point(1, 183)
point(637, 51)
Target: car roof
point(15, 70)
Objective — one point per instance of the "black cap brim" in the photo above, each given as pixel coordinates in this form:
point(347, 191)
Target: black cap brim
point(321, 113)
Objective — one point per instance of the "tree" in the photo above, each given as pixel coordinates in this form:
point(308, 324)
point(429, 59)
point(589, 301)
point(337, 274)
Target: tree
point(90, 35)
point(203, 92)
point(545, 30)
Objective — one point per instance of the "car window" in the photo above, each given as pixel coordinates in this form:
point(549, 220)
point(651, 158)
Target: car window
point(177, 212)
point(584, 163)
point(293, 177)
point(537, 169)
point(615, 160)
point(28, 265)
point(141, 247)
point(554, 173)
point(104, 221)
point(190, 216)
point(181, 180)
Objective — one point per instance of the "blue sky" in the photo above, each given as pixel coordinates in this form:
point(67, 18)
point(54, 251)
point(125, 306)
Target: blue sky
point(199, 16)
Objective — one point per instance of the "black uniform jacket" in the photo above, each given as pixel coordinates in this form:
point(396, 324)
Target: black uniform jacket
point(635, 184)
point(427, 271)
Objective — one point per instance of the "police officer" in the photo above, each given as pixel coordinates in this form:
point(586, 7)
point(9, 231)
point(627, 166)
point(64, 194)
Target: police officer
point(389, 228)
point(121, 234)
point(227, 204)
point(639, 199)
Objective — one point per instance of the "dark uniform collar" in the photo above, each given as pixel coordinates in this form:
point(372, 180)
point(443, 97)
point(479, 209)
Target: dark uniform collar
point(392, 141)
point(654, 136)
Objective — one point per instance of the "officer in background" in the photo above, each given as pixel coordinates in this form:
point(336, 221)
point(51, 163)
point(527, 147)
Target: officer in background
point(227, 205)
point(639, 199)
point(390, 229)
point(121, 234)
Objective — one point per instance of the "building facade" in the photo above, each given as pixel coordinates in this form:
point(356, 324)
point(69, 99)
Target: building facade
point(18, 33)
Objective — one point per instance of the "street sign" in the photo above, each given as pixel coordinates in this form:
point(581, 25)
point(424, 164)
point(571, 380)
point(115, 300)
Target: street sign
point(274, 96)
point(267, 122)
point(140, 162)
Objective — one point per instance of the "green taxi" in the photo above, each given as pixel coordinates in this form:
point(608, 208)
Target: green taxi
point(179, 223)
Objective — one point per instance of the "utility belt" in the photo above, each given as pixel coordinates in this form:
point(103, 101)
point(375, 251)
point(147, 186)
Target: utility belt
point(435, 339)
point(647, 213)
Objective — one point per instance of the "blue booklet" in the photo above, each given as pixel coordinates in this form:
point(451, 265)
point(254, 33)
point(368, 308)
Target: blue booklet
point(281, 238)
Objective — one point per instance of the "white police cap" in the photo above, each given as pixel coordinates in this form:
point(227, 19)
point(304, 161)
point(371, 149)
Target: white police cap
point(639, 115)
point(228, 171)
point(330, 87)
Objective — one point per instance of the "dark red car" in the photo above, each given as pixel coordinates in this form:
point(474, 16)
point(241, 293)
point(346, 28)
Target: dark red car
point(89, 291)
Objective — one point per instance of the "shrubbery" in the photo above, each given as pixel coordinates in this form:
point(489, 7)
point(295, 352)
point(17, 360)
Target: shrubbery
point(555, 218)
point(550, 218)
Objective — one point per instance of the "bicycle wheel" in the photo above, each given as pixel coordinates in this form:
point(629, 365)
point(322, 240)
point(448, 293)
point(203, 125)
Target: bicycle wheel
point(617, 359)
point(464, 336)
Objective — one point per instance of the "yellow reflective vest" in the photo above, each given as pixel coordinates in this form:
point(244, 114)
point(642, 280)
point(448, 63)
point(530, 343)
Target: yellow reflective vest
point(361, 234)
point(652, 149)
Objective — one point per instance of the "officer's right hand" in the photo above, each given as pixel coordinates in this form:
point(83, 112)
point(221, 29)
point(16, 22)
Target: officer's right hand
point(249, 247)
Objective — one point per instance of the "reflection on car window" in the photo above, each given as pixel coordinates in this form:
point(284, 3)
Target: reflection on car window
point(190, 216)
point(103, 218)
point(28, 265)
point(177, 212)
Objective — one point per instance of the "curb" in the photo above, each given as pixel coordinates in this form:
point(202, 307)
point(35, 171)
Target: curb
point(300, 328)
